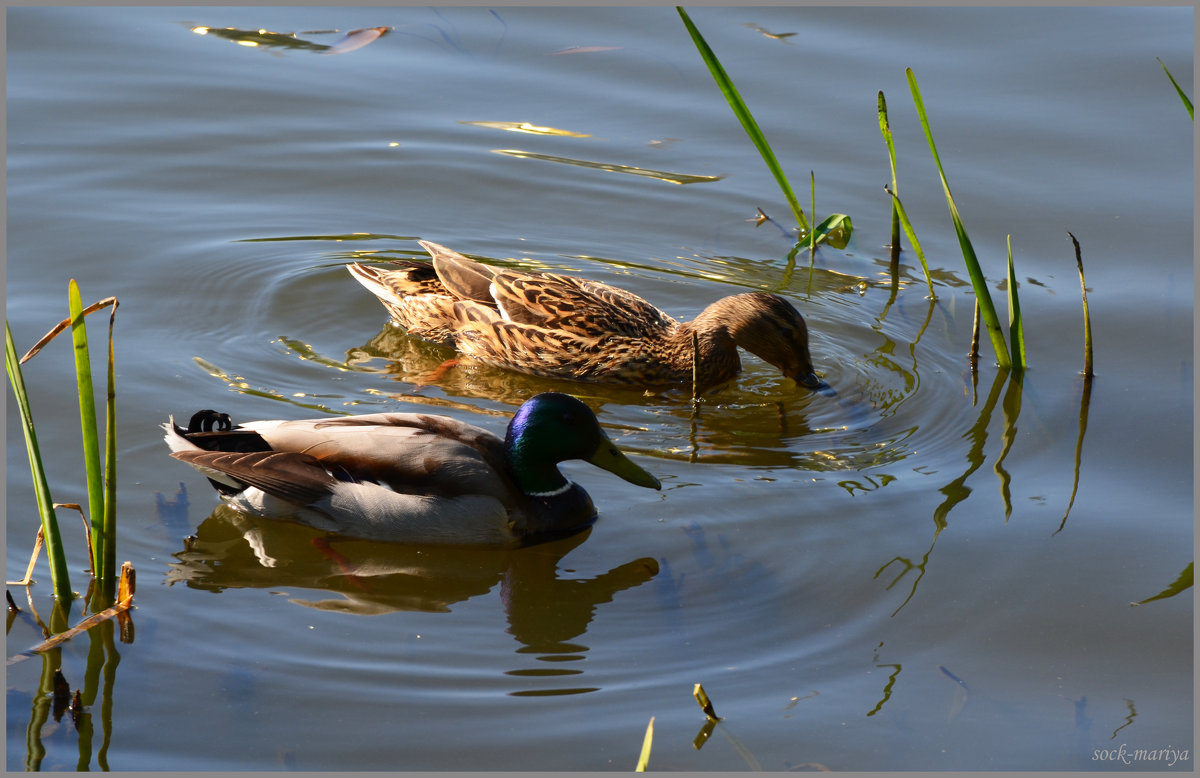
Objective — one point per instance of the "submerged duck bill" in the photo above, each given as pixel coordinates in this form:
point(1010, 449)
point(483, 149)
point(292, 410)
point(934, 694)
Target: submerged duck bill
point(610, 458)
point(812, 381)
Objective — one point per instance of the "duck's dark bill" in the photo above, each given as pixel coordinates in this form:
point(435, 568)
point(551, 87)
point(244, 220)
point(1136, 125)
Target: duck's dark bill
point(812, 381)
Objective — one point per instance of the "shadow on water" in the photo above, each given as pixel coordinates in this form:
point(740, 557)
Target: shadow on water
point(547, 613)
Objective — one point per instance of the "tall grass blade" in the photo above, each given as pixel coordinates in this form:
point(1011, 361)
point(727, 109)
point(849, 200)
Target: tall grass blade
point(644, 759)
point(1085, 404)
point(974, 353)
point(1186, 102)
point(109, 523)
point(1087, 316)
point(88, 428)
point(812, 236)
point(1016, 329)
point(885, 129)
point(978, 282)
point(725, 84)
point(54, 548)
point(902, 217)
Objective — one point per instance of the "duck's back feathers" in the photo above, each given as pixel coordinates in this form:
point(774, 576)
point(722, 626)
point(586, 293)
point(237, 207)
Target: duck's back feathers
point(548, 300)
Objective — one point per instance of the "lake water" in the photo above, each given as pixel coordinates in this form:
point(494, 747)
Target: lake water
point(932, 570)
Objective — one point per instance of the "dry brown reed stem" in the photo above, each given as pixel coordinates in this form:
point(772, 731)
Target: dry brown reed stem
point(124, 602)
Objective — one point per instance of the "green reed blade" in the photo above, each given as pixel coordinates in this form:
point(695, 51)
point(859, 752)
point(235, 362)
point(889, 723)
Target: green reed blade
point(1186, 102)
point(1087, 316)
point(109, 523)
point(898, 211)
point(974, 353)
point(644, 758)
point(725, 84)
point(59, 575)
point(987, 310)
point(885, 129)
point(812, 236)
point(87, 426)
point(1016, 330)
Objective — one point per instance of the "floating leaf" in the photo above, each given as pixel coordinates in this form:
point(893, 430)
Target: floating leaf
point(526, 127)
point(673, 178)
point(779, 36)
point(260, 37)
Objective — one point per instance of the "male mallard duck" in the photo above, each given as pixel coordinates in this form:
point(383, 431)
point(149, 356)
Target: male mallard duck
point(561, 326)
point(410, 477)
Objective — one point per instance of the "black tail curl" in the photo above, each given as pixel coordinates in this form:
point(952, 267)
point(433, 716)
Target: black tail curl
point(205, 420)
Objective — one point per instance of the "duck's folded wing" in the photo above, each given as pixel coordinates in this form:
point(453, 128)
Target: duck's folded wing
point(464, 278)
point(578, 306)
point(363, 510)
point(295, 478)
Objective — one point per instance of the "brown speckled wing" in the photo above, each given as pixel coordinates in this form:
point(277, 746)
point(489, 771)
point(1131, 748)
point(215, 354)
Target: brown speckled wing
point(577, 306)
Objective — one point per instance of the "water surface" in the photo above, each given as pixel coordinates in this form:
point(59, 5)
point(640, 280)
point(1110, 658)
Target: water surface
point(931, 570)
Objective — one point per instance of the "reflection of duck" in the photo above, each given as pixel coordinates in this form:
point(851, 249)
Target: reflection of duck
point(233, 550)
point(410, 477)
point(559, 326)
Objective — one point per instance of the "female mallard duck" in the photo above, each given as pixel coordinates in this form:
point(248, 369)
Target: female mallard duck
point(560, 326)
point(410, 477)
